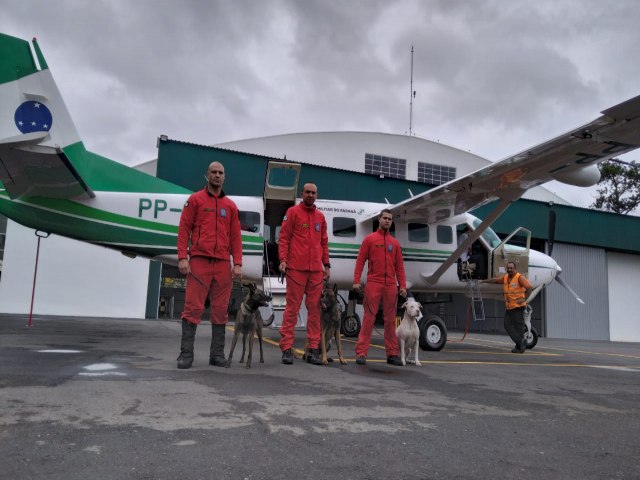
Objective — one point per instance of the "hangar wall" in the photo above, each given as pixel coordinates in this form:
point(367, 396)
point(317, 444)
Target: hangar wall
point(624, 315)
point(74, 278)
point(585, 270)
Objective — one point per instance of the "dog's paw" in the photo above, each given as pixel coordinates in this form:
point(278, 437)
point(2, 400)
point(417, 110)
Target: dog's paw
point(343, 361)
point(418, 364)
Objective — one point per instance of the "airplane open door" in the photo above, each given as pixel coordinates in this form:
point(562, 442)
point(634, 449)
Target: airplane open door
point(280, 189)
point(281, 183)
point(514, 248)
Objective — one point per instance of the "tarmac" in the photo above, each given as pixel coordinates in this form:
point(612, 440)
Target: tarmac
point(102, 398)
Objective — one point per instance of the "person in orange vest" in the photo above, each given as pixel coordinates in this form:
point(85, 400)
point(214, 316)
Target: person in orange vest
point(516, 288)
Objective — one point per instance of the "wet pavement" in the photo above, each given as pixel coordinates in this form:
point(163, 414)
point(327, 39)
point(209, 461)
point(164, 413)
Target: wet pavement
point(102, 398)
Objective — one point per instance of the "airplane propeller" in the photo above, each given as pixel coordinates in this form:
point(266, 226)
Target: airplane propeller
point(551, 237)
point(552, 230)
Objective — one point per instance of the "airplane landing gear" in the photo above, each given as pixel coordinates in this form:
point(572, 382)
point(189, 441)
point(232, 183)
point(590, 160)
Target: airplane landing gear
point(433, 333)
point(530, 334)
point(350, 321)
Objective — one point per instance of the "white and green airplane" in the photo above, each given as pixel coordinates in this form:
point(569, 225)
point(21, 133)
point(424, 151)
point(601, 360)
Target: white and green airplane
point(51, 183)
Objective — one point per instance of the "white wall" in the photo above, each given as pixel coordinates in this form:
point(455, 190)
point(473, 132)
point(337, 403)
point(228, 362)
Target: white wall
point(74, 278)
point(624, 316)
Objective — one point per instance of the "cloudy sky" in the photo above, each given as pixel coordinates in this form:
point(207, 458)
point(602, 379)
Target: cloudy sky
point(492, 77)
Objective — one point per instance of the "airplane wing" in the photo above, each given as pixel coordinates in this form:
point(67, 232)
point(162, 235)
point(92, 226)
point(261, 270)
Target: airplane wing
point(30, 169)
point(565, 158)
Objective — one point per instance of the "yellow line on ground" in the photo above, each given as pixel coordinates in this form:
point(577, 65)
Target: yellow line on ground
point(623, 355)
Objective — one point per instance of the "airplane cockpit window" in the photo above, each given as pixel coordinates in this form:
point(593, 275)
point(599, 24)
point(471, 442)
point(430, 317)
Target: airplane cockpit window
point(444, 234)
point(488, 235)
point(249, 221)
point(392, 230)
point(344, 227)
point(418, 232)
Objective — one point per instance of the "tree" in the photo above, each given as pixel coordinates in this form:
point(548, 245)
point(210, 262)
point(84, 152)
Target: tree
point(620, 187)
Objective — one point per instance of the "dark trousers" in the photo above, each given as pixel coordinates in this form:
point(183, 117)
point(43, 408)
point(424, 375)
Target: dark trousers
point(514, 324)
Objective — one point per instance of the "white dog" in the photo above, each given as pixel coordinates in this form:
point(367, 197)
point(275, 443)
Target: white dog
point(408, 332)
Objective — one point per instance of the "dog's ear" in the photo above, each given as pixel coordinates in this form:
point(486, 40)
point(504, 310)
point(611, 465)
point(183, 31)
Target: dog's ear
point(335, 288)
point(252, 287)
point(404, 305)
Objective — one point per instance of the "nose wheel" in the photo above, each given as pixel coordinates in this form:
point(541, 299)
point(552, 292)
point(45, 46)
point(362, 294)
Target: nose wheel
point(531, 338)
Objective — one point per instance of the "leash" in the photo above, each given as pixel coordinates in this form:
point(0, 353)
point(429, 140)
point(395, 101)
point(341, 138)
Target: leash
point(198, 280)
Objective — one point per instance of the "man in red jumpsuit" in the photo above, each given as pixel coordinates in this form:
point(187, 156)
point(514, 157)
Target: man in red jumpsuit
point(209, 233)
point(304, 256)
point(385, 272)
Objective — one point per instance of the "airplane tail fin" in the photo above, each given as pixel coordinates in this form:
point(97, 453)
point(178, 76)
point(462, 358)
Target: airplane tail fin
point(41, 153)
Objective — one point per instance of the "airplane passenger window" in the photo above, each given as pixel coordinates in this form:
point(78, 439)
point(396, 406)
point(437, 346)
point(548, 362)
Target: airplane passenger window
point(418, 232)
point(249, 221)
point(444, 233)
point(392, 230)
point(344, 227)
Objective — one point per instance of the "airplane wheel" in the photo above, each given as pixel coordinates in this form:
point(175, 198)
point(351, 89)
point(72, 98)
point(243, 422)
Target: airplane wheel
point(433, 333)
point(531, 338)
point(350, 327)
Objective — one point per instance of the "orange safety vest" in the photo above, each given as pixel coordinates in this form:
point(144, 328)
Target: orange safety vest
point(513, 292)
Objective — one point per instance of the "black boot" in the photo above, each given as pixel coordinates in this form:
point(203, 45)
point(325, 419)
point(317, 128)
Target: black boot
point(216, 353)
point(314, 356)
point(185, 359)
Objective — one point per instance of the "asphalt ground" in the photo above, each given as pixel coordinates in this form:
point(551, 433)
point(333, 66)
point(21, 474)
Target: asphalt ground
point(102, 398)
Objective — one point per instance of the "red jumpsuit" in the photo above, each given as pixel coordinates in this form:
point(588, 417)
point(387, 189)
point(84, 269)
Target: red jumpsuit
point(304, 247)
point(212, 227)
point(385, 272)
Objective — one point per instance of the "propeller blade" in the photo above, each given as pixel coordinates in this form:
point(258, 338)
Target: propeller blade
point(562, 282)
point(552, 230)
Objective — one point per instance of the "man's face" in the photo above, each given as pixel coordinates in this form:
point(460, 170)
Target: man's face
point(511, 269)
point(215, 175)
point(309, 194)
point(386, 219)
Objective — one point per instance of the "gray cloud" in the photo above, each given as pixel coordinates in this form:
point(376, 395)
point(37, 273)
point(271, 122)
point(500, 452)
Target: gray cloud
point(492, 77)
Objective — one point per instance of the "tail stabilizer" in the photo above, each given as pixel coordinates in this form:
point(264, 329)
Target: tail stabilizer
point(41, 153)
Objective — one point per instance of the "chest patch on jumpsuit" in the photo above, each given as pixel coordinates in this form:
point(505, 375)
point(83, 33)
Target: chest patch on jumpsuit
point(223, 212)
point(317, 227)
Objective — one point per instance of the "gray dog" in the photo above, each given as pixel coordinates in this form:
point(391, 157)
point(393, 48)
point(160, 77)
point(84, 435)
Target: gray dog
point(248, 322)
point(330, 321)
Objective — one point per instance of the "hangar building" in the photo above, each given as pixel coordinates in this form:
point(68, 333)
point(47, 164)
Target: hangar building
point(81, 279)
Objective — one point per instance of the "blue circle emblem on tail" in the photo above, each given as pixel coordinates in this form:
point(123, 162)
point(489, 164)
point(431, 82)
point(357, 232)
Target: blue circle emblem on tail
point(33, 117)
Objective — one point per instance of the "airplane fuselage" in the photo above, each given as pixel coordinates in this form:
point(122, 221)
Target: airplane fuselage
point(146, 225)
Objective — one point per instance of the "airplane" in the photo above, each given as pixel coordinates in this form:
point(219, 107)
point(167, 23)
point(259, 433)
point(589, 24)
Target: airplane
point(53, 184)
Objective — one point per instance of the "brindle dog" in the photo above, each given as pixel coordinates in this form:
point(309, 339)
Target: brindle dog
point(330, 323)
point(249, 322)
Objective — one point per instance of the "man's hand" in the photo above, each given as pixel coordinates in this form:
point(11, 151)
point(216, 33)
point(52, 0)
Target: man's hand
point(327, 273)
point(403, 292)
point(356, 287)
point(283, 267)
point(237, 272)
point(183, 266)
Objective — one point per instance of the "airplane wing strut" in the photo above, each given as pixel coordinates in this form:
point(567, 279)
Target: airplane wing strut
point(473, 236)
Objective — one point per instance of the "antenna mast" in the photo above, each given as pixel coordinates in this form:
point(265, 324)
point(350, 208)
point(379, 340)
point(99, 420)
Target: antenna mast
point(412, 94)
